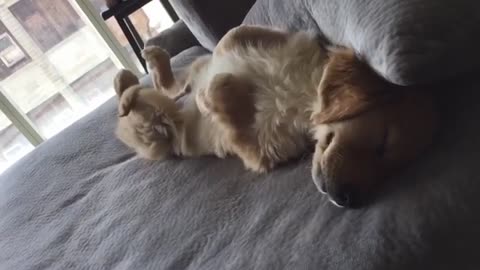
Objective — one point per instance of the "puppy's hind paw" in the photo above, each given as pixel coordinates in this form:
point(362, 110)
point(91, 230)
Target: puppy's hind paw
point(154, 53)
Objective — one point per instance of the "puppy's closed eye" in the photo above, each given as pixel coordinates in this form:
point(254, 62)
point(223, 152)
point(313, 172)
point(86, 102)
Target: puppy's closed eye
point(348, 87)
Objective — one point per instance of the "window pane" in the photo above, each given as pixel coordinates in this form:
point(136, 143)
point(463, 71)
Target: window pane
point(149, 21)
point(13, 145)
point(56, 68)
point(47, 21)
point(12, 55)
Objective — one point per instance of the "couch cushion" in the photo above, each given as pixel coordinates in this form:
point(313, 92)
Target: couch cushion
point(406, 41)
point(209, 20)
point(174, 39)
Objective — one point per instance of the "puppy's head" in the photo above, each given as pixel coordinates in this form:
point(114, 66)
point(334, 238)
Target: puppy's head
point(366, 129)
point(145, 115)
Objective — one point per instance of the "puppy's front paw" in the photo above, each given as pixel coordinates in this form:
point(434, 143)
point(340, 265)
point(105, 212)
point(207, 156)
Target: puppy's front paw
point(263, 165)
point(153, 126)
point(219, 90)
point(216, 97)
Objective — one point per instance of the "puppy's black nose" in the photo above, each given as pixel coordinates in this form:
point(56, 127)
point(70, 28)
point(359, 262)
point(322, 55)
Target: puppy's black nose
point(319, 182)
point(341, 200)
point(323, 187)
point(344, 196)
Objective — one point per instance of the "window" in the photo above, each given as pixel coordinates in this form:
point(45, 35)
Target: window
point(13, 145)
point(47, 21)
point(57, 63)
point(15, 151)
point(10, 53)
point(52, 115)
point(54, 69)
point(149, 21)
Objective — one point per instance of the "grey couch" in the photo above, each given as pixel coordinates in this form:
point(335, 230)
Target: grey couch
point(82, 200)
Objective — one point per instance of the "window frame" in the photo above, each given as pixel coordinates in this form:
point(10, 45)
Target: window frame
point(17, 47)
point(121, 58)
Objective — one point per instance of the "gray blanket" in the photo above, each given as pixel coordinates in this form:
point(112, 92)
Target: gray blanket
point(406, 41)
point(84, 201)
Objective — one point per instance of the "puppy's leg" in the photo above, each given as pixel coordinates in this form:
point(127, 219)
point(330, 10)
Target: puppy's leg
point(231, 101)
point(141, 137)
point(158, 61)
point(254, 36)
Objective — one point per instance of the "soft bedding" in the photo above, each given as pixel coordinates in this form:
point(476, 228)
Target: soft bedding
point(84, 201)
point(406, 41)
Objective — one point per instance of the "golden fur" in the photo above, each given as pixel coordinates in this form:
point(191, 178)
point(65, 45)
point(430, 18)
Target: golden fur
point(264, 96)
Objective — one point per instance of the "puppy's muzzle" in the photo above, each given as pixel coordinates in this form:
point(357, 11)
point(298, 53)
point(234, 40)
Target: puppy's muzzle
point(340, 194)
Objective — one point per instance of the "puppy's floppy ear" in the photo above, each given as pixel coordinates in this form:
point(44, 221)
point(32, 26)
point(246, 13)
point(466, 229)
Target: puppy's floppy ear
point(348, 87)
point(127, 101)
point(123, 80)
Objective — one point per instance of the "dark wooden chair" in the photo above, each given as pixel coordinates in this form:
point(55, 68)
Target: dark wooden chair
point(122, 11)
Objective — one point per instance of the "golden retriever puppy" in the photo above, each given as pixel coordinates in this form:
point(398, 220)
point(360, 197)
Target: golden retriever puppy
point(366, 129)
point(244, 100)
point(265, 95)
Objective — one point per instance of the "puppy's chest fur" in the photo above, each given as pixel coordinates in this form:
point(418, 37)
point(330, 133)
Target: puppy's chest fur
point(284, 79)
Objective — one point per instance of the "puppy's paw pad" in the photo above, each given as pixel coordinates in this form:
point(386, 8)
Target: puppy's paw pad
point(152, 53)
point(221, 81)
point(216, 96)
